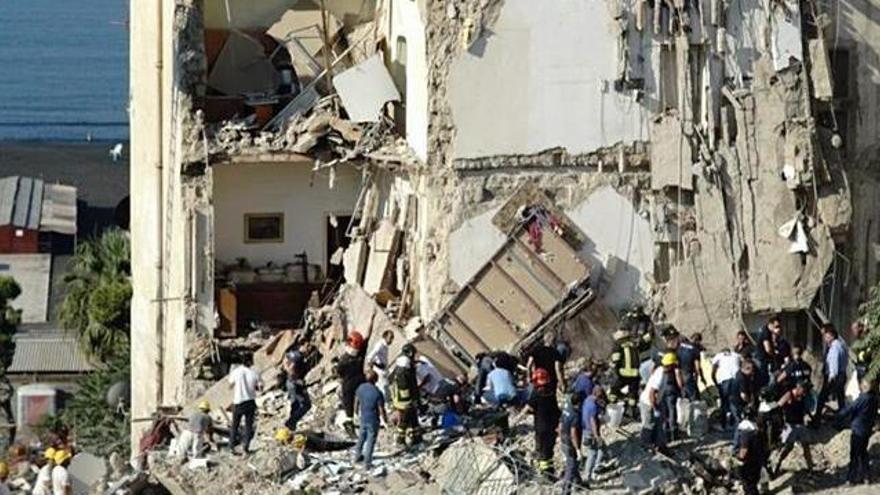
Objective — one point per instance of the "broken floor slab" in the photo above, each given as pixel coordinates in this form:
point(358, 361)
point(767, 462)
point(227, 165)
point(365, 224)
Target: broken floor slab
point(365, 88)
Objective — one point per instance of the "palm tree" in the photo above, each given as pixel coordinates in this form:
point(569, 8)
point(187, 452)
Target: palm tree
point(97, 295)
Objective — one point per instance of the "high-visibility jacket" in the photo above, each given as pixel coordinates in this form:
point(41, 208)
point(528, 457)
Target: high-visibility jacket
point(404, 389)
point(625, 359)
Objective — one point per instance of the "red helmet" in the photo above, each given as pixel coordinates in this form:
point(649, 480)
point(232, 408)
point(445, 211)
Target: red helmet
point(540, 377)
point(356, 340)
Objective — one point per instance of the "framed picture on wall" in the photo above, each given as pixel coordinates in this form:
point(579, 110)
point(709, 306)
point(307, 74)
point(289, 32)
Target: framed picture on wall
point(263, 227)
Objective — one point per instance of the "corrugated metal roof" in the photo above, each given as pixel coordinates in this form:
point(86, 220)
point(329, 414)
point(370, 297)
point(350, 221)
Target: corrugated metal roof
point(31, 204)
point(50, 354)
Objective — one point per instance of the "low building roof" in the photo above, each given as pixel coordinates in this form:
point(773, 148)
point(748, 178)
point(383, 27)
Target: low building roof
point(32, 204)
point(48, 353)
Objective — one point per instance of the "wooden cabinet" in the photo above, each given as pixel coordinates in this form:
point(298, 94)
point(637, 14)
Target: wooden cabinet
point(273, 304)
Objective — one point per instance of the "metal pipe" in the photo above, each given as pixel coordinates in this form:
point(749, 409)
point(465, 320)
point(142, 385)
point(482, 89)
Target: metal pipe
point(160, 209)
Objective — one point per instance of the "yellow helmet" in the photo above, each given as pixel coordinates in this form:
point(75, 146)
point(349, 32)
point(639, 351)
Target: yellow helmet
point(61, 456)
point(4, 470)
point(49, 454)
point(669, 359)
point(282, 435)
point(299, 441)
point(204, 406)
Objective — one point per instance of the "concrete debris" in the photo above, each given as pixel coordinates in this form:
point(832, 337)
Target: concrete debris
point(365, 88)
point(87, 472)
point(671, 157)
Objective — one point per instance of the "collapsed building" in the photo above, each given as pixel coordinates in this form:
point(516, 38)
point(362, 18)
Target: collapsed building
point(712, 160)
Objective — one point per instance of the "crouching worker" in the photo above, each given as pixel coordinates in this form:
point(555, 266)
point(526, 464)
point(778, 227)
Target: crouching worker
point(199, 433)
point(405, 401)
point(794, 411)
point(546, 412)
point(751, 451)
point(371, 405)
point(571, 434)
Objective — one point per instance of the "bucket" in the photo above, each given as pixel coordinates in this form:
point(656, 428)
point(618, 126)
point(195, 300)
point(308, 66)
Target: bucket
point(645, 415)
point(615, 414)
point(683, 412)
point(699, 424)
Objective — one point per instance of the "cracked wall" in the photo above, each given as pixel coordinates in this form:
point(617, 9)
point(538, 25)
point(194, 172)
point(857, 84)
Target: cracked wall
point(513, 100)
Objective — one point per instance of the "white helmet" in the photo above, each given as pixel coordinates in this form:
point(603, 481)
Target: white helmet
point(402, 362)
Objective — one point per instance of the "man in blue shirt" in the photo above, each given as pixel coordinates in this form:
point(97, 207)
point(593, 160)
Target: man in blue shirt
point(500, 389)
point(583, 383)
point(371, 404)
point(570, 434)
point(834, 372)
point(861, 414)
point(591, 422)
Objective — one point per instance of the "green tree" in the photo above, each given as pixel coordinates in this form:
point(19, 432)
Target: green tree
point(97, 298)
point(100, 428)
point(9, 319)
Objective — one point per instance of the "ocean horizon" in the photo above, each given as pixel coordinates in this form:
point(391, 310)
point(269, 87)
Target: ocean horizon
point(65, 71)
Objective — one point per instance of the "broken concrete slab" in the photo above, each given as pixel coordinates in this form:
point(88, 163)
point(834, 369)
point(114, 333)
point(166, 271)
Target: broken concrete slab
point(365, 88)
point(266, 362)
point(354, 261)
point(671, 155)
point(471, 244)
point(87, 472)
point(785, 32)
point(474, 467)
point(243, 68)
point(384, 243)
point(820, 70)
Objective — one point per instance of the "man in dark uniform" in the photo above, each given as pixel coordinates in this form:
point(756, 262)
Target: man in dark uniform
point(570, 430)
point(751, 450)
point(794, 412)
point(795, 370)
point(625, 363)
point(861, 415)
point(543, 405)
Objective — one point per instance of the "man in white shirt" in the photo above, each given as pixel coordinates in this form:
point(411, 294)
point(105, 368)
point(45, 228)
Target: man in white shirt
point(428, 376)
point(60, 477)
point(245, 383)
point(377, 359)
point(725, 366)
point(43, 484)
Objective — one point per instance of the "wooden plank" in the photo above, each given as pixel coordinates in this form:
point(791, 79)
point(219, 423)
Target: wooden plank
point(506, 295)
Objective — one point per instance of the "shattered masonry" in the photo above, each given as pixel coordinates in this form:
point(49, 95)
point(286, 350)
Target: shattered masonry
point(702, 148)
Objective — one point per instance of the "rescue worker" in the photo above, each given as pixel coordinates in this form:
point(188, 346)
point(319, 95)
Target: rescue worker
point(60, 477)
point(743, 345)
point(585, 380)
point(688, 354)
point(546, 357)
point(377, 359)
point(371, 405)
point(4, 474)
point(542, 403)
point(725, 366)
point(350, 369)
point(861, 416)
point(795, 370)
point(199, 431)
point(570, 431)
point(43, 483)
point(297, 393)
point(834, 371)
point(751, 450)
point(794, 412)
point(670, 392)
point(591, 422)
point(405, 401)
point(765, 354)
point(654, 424)
point(863, 351)
point(625, 362)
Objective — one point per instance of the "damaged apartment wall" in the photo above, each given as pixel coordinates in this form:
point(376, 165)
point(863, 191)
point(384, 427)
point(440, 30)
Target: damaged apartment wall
point(697, 113)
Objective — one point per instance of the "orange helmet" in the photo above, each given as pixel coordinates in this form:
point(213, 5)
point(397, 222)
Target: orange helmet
point(356, 340)
point(540, 377)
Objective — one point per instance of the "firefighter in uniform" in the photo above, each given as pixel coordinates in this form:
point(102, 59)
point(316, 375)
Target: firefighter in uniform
point(405, 401)
point(625, 363)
